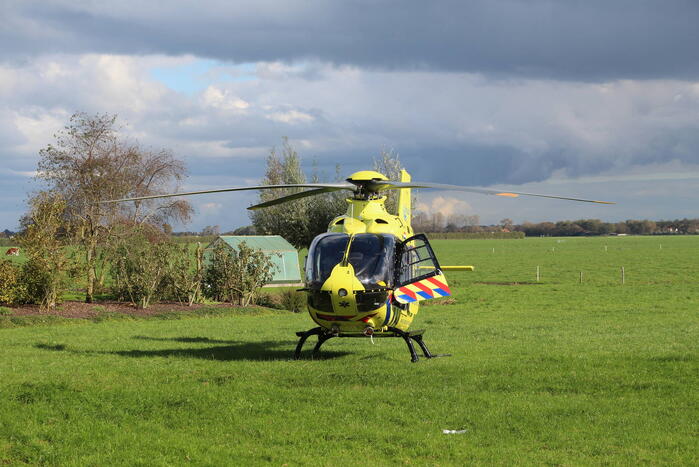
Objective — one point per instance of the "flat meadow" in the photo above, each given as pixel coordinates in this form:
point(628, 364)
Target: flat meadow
point(570, 369)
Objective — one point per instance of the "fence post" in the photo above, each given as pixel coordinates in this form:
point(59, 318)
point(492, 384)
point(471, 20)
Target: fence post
point(623, 275)
point(537, 273)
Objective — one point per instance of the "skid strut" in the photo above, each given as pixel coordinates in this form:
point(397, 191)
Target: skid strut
point(325, 334)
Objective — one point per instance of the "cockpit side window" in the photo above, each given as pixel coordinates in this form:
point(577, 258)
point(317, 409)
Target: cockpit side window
point(325, 252)
point(417, 260)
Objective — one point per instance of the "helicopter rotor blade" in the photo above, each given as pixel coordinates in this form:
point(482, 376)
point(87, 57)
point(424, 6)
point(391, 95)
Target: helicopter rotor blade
point(301, 194)
point(510, 194)
point(334, 186)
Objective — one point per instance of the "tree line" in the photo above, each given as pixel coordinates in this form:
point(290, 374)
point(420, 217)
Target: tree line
point(597, 227)
point(440, 223)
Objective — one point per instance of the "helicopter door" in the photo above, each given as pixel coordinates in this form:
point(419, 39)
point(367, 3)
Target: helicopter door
point(418, 274)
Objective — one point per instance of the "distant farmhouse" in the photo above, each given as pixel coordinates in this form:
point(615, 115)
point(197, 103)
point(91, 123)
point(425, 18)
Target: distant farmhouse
point(282, 253)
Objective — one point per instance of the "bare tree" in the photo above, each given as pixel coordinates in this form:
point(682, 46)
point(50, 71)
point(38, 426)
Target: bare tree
point(437, 222)
point(506, 224)
point(91, 162)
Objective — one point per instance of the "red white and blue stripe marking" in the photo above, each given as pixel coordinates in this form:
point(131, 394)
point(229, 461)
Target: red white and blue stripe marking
point(425, 289)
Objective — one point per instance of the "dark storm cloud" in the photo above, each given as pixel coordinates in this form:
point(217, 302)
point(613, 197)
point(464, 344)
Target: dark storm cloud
point(579, 40)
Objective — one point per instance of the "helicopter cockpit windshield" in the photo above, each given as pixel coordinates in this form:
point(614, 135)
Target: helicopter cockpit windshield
point(371, 255)
point(325, 252)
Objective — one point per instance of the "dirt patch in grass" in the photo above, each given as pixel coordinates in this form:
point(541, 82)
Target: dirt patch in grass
point(439, 301)
point(72, 309)
point(506, 283)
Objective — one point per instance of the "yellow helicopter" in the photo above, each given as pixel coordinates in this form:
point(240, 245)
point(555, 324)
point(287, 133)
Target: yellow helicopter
point(366, 276)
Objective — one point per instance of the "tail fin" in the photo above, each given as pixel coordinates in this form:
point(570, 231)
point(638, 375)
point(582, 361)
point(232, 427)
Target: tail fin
point(404, 199)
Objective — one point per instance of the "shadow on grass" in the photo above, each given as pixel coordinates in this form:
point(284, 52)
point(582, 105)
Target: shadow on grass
point(192, 340)
point(265, 350)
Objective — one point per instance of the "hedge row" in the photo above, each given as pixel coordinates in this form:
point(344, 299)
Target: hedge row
point(476, 235)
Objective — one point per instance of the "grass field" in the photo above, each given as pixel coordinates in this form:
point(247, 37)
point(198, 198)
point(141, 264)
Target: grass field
point(557, 372)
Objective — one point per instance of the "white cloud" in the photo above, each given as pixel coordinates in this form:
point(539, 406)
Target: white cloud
point(446, 206)
point(35, 124)
point(19, 173)
point(291, 116)
point(222, 99)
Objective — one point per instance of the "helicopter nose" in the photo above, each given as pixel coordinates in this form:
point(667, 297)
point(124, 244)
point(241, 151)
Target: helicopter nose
point(341, 284)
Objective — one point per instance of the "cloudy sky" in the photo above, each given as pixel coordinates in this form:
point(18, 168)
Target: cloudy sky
point(596, 99)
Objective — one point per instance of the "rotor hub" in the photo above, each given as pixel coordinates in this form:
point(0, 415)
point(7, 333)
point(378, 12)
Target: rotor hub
point(368, 182)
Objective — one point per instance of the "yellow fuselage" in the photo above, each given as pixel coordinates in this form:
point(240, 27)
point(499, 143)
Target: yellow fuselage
point(341, 301)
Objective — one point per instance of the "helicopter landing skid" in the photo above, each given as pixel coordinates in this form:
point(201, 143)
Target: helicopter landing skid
point(408, 336)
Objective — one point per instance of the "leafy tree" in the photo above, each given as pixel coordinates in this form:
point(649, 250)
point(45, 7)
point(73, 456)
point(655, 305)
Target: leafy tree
point(289, 220)
point(301, 220)
point(211, 231)
point(322, 209)
point(235, 275)
point(90, 162)
point(568, 228)
point(246, 230)
point(642, 227)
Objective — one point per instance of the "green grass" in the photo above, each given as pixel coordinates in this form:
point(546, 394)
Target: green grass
point(557, 372)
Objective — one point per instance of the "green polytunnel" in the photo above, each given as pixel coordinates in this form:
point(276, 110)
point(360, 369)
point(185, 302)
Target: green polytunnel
point(282, 253)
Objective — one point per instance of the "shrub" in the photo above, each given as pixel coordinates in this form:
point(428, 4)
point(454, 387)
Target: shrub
point(139, 264)
point(44, 240)
point(184, 275)
point(270, 300)
point(12, 290)
point(293, 301)
point(234, 275)
point(40, 285)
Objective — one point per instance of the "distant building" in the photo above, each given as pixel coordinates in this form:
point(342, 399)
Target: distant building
point(282, 253)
